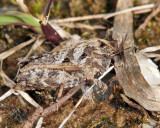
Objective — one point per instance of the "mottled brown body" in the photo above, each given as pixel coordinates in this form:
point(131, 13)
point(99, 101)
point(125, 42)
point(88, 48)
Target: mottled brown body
point(68, 67)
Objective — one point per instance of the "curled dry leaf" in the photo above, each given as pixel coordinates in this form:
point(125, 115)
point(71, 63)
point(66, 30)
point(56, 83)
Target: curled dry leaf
point(150, 124)
point(149, 70)
point(127, 67)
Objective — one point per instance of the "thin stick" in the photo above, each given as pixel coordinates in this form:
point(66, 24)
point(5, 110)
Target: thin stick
point(105, 73)
point(154, 13)
point(47, 111)
point(103, 16)
point(134, 105)
point(75, 107)
point(33, 118)
point(16, 48)
point(52, 108)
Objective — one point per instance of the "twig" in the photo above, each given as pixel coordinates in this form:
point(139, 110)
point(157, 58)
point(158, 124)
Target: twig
point(75, 107)
point(39, 111)
point(130, 10)
point(157, 18)
point(134, 105)
point(8, 82)
point(154, 13)
point(16, 48)
point(33, 118)
point(102, 16)
point(52, 108)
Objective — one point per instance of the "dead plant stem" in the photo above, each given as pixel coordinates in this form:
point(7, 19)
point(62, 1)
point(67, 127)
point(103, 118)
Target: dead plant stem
point(103, 16)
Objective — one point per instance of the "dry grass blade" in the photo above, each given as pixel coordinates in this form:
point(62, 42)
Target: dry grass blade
point(23, 6)
point(130, 10)
point(75, 107)
point(151, 55)
point(38, 43)
point(7, 81)
point(150, 49)
point(39, 123)
point(103, 16)
point(7, 94)
point(28, 98)
point(154, 13)
point(80, 25)
point(16, 48)
point(107, 43)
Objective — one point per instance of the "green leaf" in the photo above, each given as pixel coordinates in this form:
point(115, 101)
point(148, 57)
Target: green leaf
point(20, 18)
point(28, 19)
point(6, 19)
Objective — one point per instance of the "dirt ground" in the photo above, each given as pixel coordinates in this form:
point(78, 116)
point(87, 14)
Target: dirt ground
point(106, 113)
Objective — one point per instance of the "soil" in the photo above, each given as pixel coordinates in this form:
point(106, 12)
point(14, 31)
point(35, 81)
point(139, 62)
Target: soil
point(110, 112)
